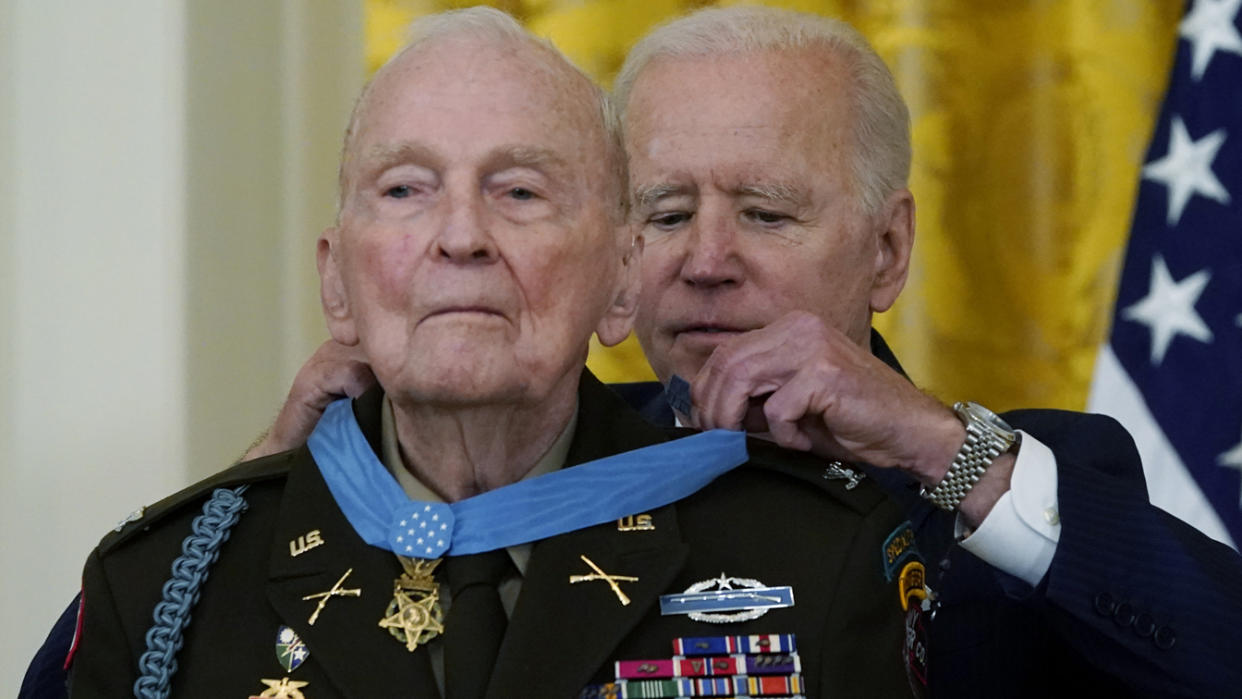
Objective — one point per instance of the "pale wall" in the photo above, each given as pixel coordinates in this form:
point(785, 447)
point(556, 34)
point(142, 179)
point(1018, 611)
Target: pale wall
point(164, 169)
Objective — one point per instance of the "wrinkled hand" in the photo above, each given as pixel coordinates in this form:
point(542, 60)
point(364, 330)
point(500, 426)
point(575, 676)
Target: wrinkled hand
point(334, 371)
point(813, 389)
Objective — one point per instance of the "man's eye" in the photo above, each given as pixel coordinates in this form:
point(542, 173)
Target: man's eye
point(521, 194)
point(669, 219)
point(401, 191)
point(767, 217)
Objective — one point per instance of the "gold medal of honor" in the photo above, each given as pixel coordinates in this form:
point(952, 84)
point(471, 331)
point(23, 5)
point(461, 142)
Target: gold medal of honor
point(414, 615)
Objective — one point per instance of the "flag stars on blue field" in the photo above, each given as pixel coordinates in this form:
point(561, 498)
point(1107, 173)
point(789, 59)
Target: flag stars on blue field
point(1169, 308)
point(1232, 459)
point(1209, 28)
point(1175, 345)
point(1187, 169)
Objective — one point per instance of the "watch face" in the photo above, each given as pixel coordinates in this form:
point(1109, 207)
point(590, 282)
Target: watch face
point(982, 414)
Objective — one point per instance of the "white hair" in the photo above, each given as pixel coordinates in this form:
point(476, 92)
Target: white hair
point(880, 158)
point(495, 26)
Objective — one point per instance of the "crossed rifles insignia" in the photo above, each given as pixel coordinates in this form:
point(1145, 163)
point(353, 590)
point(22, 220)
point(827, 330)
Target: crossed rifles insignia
point(600, 575)
point(336, 591)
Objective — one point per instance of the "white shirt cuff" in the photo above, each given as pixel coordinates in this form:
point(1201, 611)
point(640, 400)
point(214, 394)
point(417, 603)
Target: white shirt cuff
point(1020, 534)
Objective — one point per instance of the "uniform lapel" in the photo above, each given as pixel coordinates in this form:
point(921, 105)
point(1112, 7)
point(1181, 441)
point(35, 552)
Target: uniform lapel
point(346, 641)
point(561, 633)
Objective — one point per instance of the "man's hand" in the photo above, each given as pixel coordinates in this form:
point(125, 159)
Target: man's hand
point(811, 388)
point(334, 371)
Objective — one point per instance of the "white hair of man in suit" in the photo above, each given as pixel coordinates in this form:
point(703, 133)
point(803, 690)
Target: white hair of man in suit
point(881, 159)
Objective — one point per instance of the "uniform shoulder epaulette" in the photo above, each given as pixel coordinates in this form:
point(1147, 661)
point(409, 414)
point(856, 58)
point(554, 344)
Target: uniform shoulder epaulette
point(844, 482)
point(141, 520)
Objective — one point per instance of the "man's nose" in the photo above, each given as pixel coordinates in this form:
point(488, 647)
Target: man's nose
point(464, 237)
point(713, 258)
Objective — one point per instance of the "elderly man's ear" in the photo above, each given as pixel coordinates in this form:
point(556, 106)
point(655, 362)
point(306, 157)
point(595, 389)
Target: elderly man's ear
point(894, 229)
point(618, 319)
point(332, 290)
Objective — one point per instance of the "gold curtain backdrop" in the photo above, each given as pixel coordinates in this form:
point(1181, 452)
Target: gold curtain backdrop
point(1030, 121)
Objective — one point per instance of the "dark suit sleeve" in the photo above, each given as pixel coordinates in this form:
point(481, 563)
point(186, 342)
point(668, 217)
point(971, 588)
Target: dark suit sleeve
point(46, 676)
point(1134, 591)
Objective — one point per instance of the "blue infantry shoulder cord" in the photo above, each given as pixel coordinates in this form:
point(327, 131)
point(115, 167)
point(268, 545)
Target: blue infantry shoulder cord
point(198, 552)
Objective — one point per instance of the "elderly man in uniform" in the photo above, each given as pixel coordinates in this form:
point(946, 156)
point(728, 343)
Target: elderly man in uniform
point(427, 540)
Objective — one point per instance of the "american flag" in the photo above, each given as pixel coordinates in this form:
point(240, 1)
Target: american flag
point(1172, 370)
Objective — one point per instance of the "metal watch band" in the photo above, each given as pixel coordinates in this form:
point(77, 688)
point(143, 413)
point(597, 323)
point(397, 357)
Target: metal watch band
point(987, 437)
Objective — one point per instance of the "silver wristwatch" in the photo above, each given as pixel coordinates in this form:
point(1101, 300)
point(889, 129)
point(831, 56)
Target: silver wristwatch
point(987, 437)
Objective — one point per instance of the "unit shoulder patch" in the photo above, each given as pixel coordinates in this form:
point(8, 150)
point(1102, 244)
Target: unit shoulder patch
point(899, 546)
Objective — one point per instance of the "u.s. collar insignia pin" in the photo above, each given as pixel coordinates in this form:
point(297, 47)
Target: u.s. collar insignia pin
point(707, 600)
point(636, 523)
point(306, 542)
point(290, 650)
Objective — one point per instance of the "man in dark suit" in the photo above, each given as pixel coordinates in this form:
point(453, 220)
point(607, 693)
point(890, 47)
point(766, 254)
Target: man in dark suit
point(481, 240)
point(772, 196)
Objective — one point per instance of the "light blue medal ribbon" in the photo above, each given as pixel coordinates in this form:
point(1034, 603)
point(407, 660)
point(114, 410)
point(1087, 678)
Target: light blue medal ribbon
point(536, 508)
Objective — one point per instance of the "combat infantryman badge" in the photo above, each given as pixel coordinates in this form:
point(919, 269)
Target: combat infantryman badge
point(414, 616)
point(750, 599)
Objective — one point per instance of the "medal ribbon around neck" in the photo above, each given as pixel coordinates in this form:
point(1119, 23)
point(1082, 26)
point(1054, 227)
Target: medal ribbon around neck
point(537, 508)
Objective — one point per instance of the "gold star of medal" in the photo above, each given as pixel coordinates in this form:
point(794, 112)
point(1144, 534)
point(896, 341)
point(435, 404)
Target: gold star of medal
point(283, 688)
point(414, 622)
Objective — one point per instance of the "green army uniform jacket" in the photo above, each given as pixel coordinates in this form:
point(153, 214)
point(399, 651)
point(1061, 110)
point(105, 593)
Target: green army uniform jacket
point(775, 519)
